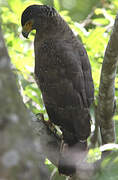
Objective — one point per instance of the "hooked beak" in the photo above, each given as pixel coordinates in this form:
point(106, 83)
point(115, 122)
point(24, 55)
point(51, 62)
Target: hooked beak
point(27, 28)
point(25, 34)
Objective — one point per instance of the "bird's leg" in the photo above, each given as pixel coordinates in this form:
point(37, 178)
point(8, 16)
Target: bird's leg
point(48, 123)
point(63, 147)
point(50, 126)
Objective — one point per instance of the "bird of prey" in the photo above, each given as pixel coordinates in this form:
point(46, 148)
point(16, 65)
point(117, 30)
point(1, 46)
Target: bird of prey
point(63, 74)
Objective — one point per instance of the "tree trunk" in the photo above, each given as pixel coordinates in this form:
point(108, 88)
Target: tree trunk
point(19, 157)
point(106, 100)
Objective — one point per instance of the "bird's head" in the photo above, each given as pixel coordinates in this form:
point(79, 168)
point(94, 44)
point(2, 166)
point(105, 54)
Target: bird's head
point(36, 17)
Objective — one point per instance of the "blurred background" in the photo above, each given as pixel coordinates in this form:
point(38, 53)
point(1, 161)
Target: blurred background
point(91, 21)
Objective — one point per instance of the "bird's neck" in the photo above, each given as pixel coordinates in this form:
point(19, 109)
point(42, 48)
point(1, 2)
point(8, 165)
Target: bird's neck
point(55, 28)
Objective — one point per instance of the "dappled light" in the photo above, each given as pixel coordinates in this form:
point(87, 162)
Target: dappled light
point(92, 22)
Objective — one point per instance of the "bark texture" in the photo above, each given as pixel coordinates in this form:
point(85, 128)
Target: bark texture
point(106, 99)
point(19, 157)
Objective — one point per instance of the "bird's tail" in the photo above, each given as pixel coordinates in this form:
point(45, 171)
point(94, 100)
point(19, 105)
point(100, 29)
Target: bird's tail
point(74, 150)
point(71, 156)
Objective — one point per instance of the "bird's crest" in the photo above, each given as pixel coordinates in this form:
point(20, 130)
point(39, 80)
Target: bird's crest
point(37, 10)
point(47, 10)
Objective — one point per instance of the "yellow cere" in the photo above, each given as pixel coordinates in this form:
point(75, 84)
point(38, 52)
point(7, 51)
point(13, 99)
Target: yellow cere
point(28, 26)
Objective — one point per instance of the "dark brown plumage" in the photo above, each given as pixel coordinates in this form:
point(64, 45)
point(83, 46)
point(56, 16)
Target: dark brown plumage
point(63, 74)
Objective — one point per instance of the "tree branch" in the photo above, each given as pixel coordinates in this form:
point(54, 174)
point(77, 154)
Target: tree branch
point(19, 158)
point(51, 145)
point(106, 99)
point(48, 143)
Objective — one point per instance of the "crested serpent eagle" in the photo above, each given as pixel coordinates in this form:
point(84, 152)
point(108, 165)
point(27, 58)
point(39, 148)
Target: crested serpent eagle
point(63, 74)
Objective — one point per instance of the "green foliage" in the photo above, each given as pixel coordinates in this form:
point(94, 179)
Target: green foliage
point(94, 155)
point(109, 166)
point(78, 10)
point(94, 34)
point(55, 174)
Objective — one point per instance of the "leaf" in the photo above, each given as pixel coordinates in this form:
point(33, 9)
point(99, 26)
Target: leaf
point(57, 5)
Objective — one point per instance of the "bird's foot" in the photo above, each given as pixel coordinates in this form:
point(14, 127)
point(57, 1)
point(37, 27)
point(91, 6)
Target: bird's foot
point(50, 126)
